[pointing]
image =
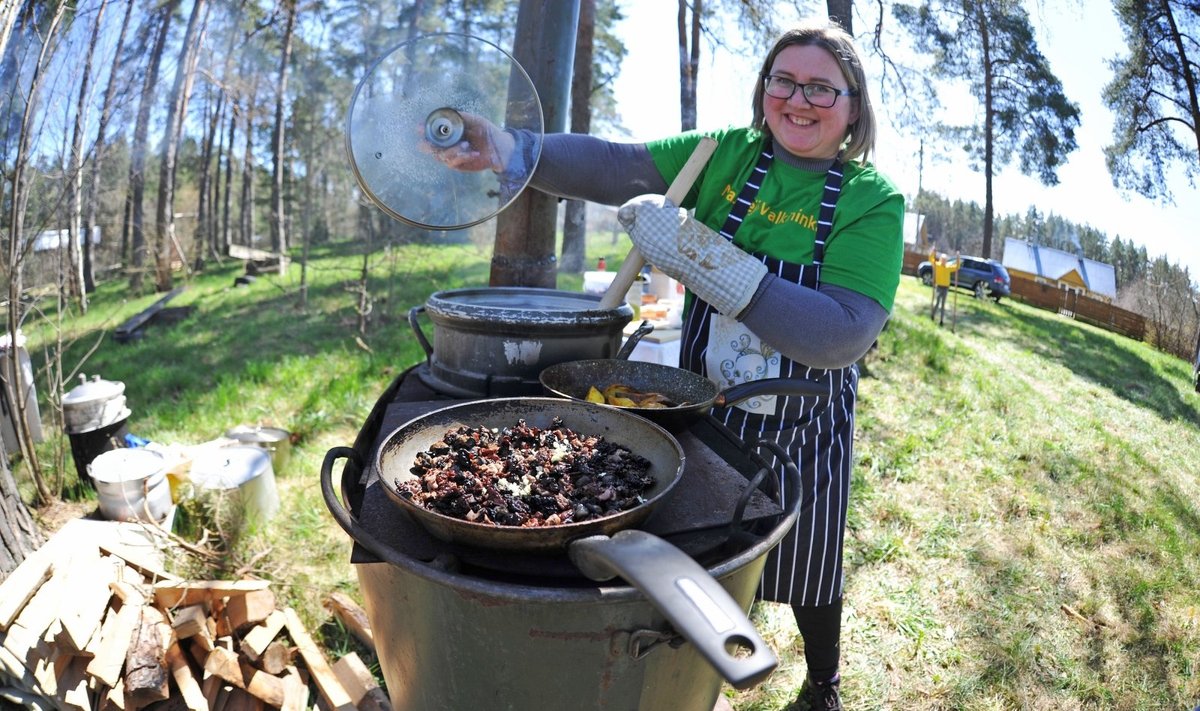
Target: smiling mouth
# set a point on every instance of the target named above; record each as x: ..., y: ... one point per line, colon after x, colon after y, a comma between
x: 798, y: 121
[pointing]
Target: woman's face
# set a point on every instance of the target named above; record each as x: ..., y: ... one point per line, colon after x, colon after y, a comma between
x: 803, y: 129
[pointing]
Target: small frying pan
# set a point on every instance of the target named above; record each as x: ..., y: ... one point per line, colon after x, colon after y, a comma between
x: 690, y: 396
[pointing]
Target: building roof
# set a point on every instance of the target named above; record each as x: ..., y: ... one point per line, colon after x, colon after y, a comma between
x: 1055, y: 264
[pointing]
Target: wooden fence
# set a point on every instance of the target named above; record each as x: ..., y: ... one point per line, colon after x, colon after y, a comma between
x: 1068, y: 303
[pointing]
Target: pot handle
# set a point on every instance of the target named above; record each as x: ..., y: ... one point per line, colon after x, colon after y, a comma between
x: 340, y: 514
x: 416, y: 328
x: 634, y: 338
x: 684, y: 592
x: 769, y: 386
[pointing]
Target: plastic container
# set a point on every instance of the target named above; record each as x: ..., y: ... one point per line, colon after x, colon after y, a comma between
x: 8, y: 397
x: 132, y: 485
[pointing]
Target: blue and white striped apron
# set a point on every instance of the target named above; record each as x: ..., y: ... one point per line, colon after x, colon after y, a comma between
x: 816, y: 432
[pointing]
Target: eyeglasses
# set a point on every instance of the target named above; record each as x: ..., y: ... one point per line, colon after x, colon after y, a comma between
x: 819, y: 95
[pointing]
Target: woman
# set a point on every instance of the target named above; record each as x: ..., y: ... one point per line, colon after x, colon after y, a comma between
x: 791, y: 261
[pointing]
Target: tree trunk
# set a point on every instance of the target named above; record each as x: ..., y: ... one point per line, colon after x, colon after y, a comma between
x: 689, y: 61
x: 279, y: 242
x: 574, y: 245
x: 525, y: 232
x: 166, y: 242
x: 227, y: 203
x: 988, y: 137
x: 19, y: 535
x: 137, y: 165
x: 841, y: 12
x: 18, y: 203
x: 246, y: 214
x: 110, y: 91
x: 75, y: 172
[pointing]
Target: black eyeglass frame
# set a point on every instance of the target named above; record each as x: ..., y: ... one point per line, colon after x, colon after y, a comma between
x: 803, y: 88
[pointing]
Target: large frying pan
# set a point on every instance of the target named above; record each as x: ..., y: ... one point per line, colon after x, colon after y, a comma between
x: 683, y: 591
x: 692, y: 395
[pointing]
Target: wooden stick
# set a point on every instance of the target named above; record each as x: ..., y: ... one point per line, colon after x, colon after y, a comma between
x: 257, y: 639
x: 352, y: 616
x: 680, y: 186
x: 331, y: 689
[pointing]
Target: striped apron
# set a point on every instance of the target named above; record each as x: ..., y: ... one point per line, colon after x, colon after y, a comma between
x: 816, y: 432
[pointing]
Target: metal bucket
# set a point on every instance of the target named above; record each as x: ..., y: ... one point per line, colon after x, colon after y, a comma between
x: 131, y: 484
x: 242, y: 478
x: 452, y: 640
x: 277, y: 441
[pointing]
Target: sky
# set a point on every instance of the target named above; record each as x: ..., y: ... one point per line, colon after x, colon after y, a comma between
x: 1078, y: 50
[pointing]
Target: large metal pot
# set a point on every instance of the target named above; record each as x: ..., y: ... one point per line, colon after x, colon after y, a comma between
x: 494, y: 341
x: 696, y: 605
x: 691, y: 395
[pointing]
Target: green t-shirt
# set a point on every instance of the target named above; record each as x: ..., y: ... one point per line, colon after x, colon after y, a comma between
x: 865, y: 250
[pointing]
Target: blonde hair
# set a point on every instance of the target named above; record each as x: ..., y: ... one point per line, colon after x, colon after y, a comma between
x: 833, y: 39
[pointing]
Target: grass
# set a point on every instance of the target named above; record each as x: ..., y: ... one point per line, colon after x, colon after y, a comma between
x: 1023, y: 529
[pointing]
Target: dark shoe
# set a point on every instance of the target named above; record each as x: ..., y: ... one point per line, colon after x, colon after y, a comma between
x: 815, y: 696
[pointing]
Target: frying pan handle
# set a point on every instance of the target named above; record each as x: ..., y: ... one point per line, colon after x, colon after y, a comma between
x: 634, y: 338
x: 769, y: 386
x: 416, y: 328
x: 684, y: 592
x: 676, y: 192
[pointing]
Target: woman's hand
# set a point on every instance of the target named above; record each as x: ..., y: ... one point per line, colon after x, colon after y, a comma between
x: 483, y: 146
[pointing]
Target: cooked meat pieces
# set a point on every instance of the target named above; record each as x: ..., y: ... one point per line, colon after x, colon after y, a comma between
x: 527, y: 476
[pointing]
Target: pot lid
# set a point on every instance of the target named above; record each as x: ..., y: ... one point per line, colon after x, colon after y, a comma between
x: 519, y: 304
x: 411, y: 101
x: 229, y: 467
x: 118, y: 465
x: 91, y: 390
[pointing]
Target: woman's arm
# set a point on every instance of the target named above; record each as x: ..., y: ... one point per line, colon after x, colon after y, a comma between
x: 827, y: 327
x: 579, y: 166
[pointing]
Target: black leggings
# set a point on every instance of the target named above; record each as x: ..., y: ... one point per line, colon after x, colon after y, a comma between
x: 820, y: 627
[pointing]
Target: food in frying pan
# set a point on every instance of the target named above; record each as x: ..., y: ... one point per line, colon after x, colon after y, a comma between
x: 527, y: 476
x: 625, y: 396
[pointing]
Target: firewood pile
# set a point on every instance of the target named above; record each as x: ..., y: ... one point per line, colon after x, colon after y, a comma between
x: 89, y: 624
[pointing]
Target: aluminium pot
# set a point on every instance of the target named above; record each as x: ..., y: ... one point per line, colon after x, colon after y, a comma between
x: 696, y: 605
x: 495, y: 341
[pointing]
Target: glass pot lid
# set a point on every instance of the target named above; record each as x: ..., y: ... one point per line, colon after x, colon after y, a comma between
x: 413, y: 99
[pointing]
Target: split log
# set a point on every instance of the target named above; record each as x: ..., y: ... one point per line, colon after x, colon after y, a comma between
x: 295, y: 691
x: 181, y: 671
x: 145, y: 661
x: 110, y: 656
x: 353, y: 617
x: 242, y: 611
x: 331, y: 690
x: 171, y: 594
x: 224, y: 663
x: 257, y: 639
x: 358, y: 681
x: 190, y: 621
x: 21, y: 584
x: 263, y: 686
x: 89, y: 583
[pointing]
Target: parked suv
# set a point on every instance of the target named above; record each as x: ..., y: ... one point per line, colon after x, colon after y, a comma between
x: 984, y: 277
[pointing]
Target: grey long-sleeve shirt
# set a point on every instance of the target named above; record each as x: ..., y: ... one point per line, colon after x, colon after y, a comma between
x: 826, y: 327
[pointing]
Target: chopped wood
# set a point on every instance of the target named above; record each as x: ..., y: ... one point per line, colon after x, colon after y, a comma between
x: 295, y: 691
x: 135, y: 560
x: 73, y: 692
x: 331, y: 690
x: 190, y: 621
x: 263, y: 686
x: 25, y: 580
x: 25, y: 633
x: 224, y: 663
x: 145, y: 662
x: 242, y: 611
x: 181, y: 671
x: 276, y: 658
x: 127, y: 592
x: 214, y: 690
x: 257, y: 639
x: 115, y: 698
x: 171, y: 594
x: 110, y: 657
x: 88, y: 582
x: 352, y: 616
x: 238, y: 700
x: 356, y: 678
